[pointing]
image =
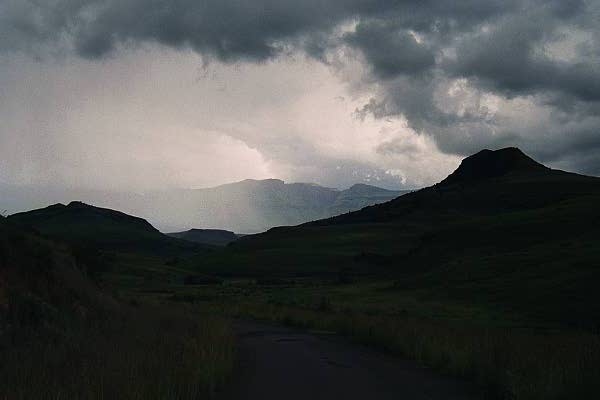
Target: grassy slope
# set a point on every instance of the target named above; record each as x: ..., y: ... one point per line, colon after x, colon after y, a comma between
x: 61, y: 337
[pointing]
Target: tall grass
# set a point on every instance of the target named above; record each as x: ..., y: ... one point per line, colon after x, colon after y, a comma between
x: 507, y: 363
x: 63, y: 338
x: 144, y: 353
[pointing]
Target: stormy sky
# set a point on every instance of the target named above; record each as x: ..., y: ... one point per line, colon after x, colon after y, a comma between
x: 146, y: 94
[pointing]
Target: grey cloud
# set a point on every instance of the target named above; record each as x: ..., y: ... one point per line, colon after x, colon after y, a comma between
x: 389, y: 51
x: 567, y: 139
x: 584, y: 161
x: 415, y: 99
x: 227, y: 29
x: 397, y: 146
x: 510, y: 59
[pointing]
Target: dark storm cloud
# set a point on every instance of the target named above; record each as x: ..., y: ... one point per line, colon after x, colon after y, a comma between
x: 227, y: 29
x: 509, y: 58
x: 540, y: 58
x: 572, y: 139
x: 390, y: 51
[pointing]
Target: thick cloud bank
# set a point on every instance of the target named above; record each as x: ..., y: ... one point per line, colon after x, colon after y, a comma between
x: 462, y: 74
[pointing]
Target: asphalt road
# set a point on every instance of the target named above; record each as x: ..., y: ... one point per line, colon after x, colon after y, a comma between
x: 276, y: 363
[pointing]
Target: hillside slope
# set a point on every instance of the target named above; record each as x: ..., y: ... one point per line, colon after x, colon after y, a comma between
x: 501, y: 230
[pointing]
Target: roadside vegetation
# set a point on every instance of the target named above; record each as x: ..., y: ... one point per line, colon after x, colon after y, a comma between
x: 507, y: 363
x: 507, y: 358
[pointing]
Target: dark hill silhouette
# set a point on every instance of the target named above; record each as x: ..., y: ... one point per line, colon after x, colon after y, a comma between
x: 79, y: 212
x: 488, y: 182
x: 213, y: 237
x: 493, y: 164
x: 85, y: 225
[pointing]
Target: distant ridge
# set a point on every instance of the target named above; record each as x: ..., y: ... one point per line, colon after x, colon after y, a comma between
x: 362, y: 189
x: 213, y: 237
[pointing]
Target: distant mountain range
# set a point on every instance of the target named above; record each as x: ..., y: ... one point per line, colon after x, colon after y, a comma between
x: 257, y: 205
x: 248, y: 206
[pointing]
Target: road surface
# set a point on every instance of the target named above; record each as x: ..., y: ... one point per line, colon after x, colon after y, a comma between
x: 277, y: 363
